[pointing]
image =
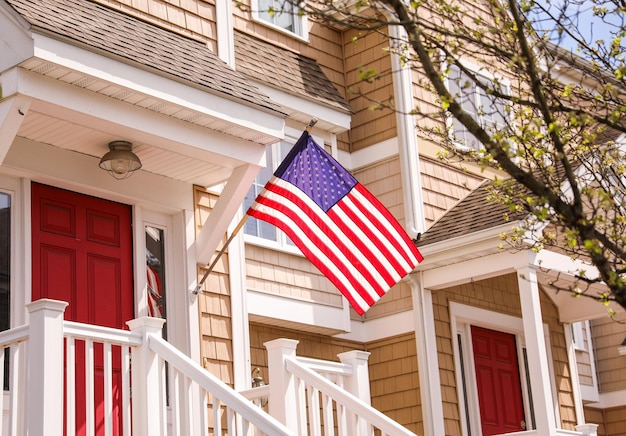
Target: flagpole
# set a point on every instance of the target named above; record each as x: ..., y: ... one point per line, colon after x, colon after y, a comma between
x: 236, y: 230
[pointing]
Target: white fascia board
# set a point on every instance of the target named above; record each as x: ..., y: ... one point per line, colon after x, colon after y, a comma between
x: 561, y: 263
x: 380, y: 328
x: 96, y: 65
x: 449, y: 249
x: 16, y: 43
x: 69, y: 102
x: 475, y: 268
x: 297, y: 311
x: 335, y: 121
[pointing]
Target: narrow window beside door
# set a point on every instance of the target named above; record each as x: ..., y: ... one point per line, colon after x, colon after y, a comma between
x: 5, y: 269
x: 155, y: 265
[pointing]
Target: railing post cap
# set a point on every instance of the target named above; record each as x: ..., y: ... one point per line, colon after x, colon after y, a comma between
x: 47, y: 304
x: 289, y: 344
x: 146, y: 322
x: 354, y: 355
x: 587, y: 429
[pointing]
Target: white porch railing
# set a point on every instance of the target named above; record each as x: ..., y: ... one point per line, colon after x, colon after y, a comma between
x: 318, y: 397
x: 306, y: 396
x: 97, y: 390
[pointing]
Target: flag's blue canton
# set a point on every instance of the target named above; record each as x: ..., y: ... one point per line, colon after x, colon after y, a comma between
x: 309, y: 167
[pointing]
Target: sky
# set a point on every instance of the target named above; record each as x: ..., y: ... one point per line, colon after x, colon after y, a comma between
x: 580, y: 13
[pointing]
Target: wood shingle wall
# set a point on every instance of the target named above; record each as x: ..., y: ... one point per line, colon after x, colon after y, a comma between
x: 192, y: 18
x: 214, y: 304
x: 610, y: 365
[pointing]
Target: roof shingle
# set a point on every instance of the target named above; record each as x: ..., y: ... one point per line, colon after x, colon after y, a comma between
x: 101, y: 28
x: 286, y: 70
x: 471, y: 214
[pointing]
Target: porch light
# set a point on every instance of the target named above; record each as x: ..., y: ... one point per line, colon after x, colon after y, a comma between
x: 120, y: 161
x: 257, y: 381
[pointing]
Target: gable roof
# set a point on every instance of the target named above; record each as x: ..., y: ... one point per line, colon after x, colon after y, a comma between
x: 470, y: 214
x: 287, y: 71
x: 85, y: 23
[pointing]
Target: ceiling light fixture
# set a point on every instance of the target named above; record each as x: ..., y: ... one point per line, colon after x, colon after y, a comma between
x: 120, y: 161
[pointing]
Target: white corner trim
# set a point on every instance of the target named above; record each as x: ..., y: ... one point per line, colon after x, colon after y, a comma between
x: 225, y: 38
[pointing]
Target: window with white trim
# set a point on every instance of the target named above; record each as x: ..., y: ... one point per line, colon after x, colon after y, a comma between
x: 258, y: 231
x: 490, y: 111
x: 284, y: 15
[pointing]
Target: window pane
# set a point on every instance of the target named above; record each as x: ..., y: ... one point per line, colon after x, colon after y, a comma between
x: 282, y: 14
x: 254, y: 226
x: 5, y: 259
x: 487, y: 110
x: 155, y: 264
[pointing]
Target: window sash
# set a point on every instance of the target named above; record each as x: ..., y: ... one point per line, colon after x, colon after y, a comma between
x: 285, y: 16
x: 489, y: 111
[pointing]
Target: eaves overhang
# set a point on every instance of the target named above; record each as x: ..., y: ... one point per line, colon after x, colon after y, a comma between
x: 189, y: 115
x: 478, y: 256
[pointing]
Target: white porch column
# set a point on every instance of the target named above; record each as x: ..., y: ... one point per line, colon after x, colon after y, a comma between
x: 427, y: 358
x: 283, y: 404
x: 44, y: 389
x: 532, y: 322
x: 149, y: 414
x: 359, y: 384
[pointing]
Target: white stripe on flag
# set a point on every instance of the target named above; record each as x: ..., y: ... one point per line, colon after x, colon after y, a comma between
x: 287, y: 221
x: 328, y: 242
x: 336, y: 230
x: 372, y: 247
x: 384, y: 222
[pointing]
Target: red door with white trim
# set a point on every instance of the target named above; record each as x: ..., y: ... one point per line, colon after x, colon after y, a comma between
x: 82, y: 254
x: 498, y: 381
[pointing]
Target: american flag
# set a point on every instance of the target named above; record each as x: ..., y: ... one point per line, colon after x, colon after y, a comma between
x: 337, y: 224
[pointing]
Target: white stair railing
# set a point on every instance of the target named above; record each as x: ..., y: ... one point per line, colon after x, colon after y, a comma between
x: 241, y: 416
x: 309, y: 393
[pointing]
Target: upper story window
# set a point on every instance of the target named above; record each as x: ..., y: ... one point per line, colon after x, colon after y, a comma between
x: 491, y: 112
x: 258, y: 231
x: 282, y: 14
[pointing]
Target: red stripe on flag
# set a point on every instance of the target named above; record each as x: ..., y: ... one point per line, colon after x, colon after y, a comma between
x: 408, y: 243
x: 382, y: 245
x: 357, y: 240
x: 345, y: 289
x: 320, y: 219
x: 294, y: 215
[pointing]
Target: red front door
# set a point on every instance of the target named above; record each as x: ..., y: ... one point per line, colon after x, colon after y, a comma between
x: 82, y: 254
x: 498, y: 381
